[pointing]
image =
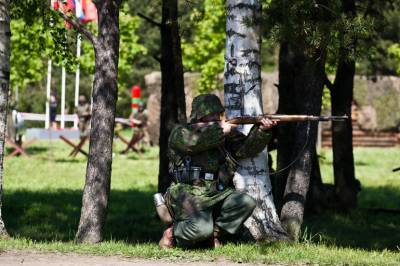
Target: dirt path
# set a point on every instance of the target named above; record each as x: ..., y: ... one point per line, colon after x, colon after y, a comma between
x: 33, y: 258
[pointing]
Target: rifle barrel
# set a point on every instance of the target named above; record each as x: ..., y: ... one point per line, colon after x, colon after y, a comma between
x: 284, y: 118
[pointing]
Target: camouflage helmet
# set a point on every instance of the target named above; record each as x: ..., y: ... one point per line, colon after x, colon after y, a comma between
x: 205, y: 104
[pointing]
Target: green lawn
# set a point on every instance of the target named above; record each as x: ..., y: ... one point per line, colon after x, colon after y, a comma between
x: 42, y: 200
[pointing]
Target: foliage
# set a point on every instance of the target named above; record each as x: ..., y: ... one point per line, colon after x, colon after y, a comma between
x: 385, y: 33
x: 43, y: 194
x: 27, y: 63
x: 394, y: 50
x: 32, y: 45
x: 205, y: 51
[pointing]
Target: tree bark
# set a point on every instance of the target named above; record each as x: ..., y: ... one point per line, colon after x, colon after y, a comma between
x: 346, y: 184
x: 98, y: 173
x: 5, y: 34
x: 242, y: 85
x: 301, y: 78
x: 173, y: 107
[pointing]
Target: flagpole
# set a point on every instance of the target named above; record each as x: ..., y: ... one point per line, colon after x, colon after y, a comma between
x: 78, y: 54
x: 48, y: 88
x: 63, y: 80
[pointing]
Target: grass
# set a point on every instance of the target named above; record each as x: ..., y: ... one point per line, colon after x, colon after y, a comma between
x: 43, y: 193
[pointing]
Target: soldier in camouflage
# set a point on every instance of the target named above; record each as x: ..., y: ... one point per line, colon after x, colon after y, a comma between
x: 203, y: 157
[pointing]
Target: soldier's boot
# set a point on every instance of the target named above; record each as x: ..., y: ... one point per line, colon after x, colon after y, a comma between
x: 215, y: 241
x: 167, y: 240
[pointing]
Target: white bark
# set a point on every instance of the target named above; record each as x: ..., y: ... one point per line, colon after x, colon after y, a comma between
x: 4, y: 87
x: 242, y: 83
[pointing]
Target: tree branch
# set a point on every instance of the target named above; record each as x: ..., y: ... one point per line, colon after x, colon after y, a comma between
x: 151, y: 21
x: 328, y: 83
x: 79, y: 27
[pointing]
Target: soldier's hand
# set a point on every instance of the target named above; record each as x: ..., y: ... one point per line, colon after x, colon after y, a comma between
x: 266, y: 123
x: 226, y: 127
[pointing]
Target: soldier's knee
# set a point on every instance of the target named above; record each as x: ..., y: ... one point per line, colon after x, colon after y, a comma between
x: 203, y: 231
x: 195, y: 230
x: 248, y: 202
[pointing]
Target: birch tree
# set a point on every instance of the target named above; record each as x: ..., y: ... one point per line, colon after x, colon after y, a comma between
x: 4, y: 83
x: 242, y: 86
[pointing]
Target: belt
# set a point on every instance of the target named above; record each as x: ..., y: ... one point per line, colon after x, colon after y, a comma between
x: 188, y: 175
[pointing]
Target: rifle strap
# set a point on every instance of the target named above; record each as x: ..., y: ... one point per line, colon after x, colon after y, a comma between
x: 298, y: 155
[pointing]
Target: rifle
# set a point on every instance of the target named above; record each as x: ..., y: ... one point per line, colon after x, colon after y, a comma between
x: 242, y: 120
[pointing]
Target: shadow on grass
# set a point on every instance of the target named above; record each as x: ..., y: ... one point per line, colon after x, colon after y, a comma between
x: 361, y: 228
x: 49, y: 216
x: 68, y: 160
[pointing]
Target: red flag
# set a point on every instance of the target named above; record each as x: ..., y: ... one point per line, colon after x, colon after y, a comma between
x: 56, y: 5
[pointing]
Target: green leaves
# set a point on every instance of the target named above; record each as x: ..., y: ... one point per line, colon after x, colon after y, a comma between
x: 394, y: 50
x: 204, y: 53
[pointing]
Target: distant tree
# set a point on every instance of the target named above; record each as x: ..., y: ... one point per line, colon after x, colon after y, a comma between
x: 173, y: 108
x: 346, y: 184
x: 5, y: 34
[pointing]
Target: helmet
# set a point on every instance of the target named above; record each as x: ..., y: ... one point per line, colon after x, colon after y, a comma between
x: 205, y: 104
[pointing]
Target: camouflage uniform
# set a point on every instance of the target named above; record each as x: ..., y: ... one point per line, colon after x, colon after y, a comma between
x: 84, y: 114
x: 198, y: 207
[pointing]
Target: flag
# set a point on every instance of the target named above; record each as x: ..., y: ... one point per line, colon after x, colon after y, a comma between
x: 55, y: 4
x: 69, y: 6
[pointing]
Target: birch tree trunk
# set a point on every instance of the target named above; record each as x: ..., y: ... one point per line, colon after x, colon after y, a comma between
x: 242, y: 85
x: 4, y: 83
x: 98, y: 173
x: 173, y: 108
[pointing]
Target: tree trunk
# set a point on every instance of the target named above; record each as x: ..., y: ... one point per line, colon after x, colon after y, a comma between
x: 98, y: 172
x: 5, y: 34
x: 302, y: 94
x: 346, y: 185
x: 173, y: 108
x: 242, y: 84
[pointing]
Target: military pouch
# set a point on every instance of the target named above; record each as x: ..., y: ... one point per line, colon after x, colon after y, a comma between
x: 187, y: 174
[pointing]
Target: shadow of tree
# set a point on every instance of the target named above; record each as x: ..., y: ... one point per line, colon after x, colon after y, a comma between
x: 54, y: 216
x: 361, y: 228
x: 49, y: 216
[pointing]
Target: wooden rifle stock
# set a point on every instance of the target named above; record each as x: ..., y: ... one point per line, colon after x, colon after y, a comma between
x: 283, y: 118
